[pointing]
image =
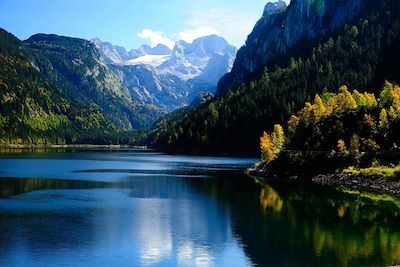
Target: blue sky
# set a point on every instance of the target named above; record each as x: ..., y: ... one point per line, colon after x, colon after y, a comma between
x: 130, y: 23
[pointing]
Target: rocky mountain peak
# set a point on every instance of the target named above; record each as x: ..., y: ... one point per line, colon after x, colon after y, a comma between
x: 274, y: 7
x: 171, y: 79
x: 203, y: 48
x: 160, y: 49
x: 114, y: 54
x: 277, y: 32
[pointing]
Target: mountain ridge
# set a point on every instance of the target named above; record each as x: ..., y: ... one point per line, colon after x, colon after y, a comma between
x: 173, y: 80
x: 56, y: 89
x: 114, y: 54
x: 283, y: 27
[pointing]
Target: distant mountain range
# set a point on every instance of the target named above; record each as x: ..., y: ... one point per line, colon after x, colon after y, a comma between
x: 56, y: 89
x: 170, y: 79
x: 114, y: 54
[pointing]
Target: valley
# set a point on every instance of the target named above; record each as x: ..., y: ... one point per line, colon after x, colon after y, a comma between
x: 205, y: 133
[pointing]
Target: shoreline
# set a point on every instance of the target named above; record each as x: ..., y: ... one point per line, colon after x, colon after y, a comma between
x: 374, y: 185
x: 32, y: 146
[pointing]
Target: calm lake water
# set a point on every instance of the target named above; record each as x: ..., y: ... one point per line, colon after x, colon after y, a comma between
x: 127, y: 208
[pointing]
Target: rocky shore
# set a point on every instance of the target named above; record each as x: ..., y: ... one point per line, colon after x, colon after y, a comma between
x: 376, y: 185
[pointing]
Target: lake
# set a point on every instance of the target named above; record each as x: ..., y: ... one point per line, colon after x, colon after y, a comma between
x: 142, y: 208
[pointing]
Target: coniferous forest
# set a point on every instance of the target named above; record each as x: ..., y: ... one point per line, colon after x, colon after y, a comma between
x: 361, y: 55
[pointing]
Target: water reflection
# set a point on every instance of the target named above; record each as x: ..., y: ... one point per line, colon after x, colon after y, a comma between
x: 306, y: 225
x: 144, y: 221
x: 15, y: 186
x: 148, y: 209
x: 270, y: 199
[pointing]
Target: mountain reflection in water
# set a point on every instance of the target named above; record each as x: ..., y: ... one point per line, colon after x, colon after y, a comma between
x: 124, y: 208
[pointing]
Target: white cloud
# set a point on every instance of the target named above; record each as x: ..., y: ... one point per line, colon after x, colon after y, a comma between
x: 190, y: 35
x: 156, y: 37
x: 233, y: 25
x: 233, y: 22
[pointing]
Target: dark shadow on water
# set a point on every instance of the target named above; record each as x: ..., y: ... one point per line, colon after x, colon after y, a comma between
x: 16, y: 186
x: 175, y: 172
x: 286, y: 224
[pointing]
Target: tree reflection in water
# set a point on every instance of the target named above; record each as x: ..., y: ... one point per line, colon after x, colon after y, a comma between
x: 285, y: 224
x: 350, y: 230
x: 277, y: 223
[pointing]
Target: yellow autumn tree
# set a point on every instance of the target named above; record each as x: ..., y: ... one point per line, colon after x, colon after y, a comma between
x: 272, y: 145
x: 267, y: 148
x: 292, y: 124
x: 396, y: 97
x: 306, y: 113
x: 383, y: 119
x: 370, y: 100
x: 278, y: 138
x: 360, y: 99
x: 330, y: 106
x: 341, y: 146
x: 345, y: 101
x: 386, y: 96
x: 318, y: 109
x: 393, y: 114
x: 365, y: 100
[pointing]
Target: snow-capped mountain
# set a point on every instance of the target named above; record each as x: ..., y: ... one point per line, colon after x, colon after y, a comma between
x: 113, y: 54
x: 170, y: 79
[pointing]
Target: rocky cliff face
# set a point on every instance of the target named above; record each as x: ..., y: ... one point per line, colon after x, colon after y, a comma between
x: 282, y: 28
x: 147, y: 85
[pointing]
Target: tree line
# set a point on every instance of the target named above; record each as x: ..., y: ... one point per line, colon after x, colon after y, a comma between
x: 361, y: 55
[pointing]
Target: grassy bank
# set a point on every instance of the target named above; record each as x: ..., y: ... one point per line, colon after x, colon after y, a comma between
x: 391, y: 173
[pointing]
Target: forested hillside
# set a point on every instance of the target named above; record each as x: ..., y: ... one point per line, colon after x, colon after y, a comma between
x: 335, y: 131
x: 291, y: 31
x: 353, y: 122
x: 55, y: 90
x: 76, y: 64
x: 361, y: 54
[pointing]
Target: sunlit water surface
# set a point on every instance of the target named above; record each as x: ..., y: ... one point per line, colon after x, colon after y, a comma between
x: 138, y: 208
